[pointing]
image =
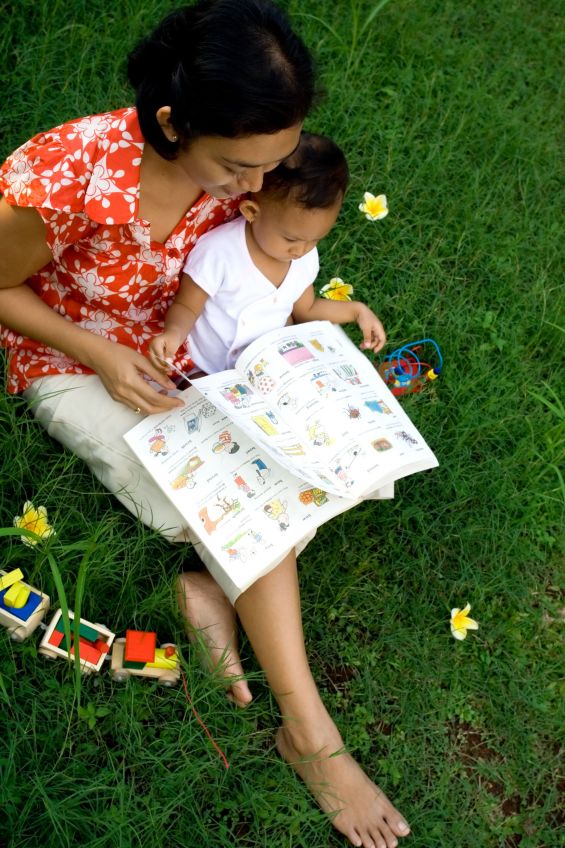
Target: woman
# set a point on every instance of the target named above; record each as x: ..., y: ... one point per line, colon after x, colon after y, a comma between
x: 96, y: 221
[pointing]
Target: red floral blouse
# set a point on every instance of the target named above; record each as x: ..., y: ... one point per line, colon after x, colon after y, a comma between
x: 106, y: 274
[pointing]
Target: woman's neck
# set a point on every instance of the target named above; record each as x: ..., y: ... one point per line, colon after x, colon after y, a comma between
x: 166, y: 193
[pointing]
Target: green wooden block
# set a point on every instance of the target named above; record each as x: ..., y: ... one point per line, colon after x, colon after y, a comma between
x: 88, y: 632
x: 130, y: 664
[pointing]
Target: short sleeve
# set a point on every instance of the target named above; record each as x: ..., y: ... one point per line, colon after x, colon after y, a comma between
x: 309, y: 268
x: 313, y: 265
x: 51, y: 177
x: 206, y: 262
x: 47, y: 171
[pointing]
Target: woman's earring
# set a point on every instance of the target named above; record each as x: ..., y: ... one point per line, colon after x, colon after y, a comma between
x: 174, y: 138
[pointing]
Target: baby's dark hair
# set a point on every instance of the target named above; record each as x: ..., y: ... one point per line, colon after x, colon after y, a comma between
x: 230, y: 68
x: 315, y: 175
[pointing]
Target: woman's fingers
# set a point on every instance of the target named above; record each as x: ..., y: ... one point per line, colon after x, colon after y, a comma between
x: 126, y: 375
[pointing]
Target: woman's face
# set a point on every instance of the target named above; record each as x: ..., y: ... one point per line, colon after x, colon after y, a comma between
x: 227, y: 167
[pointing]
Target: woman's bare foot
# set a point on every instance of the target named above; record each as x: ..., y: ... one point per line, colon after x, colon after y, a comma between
x: 356, y: 806
x: 211, y: 623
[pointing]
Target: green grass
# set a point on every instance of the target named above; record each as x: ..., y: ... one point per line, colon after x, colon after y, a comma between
x: 452, y: 109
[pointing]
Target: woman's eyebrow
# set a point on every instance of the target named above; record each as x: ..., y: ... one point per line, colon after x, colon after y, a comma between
x: 256, y: 164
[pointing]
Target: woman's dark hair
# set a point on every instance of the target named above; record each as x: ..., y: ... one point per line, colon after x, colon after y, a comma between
x: 225, y: 67
x: 315, y: 175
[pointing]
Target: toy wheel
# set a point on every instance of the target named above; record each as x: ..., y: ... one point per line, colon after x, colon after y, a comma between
x: 45, y: 652
x: 120, y: 676
x: 168, y: 680
x: 17, y: 635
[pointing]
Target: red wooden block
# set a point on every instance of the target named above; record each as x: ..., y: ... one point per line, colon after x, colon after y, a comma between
x: 140, y: 646
x: 87, y: 651
x: 56, y: 638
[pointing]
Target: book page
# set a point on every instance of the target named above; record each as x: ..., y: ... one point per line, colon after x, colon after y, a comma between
x: 266, y: 422
x: 247, y: 510
x: 322, y: 409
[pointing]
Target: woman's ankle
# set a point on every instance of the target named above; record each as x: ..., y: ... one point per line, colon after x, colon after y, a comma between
x: 312, y: 736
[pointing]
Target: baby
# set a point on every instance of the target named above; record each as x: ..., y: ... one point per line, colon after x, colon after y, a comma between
x: 256, y: 272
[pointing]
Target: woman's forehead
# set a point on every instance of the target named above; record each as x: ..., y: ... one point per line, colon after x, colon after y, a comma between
x: 253, y: 151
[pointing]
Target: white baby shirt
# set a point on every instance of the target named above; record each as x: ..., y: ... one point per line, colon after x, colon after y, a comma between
x: 242, y: 304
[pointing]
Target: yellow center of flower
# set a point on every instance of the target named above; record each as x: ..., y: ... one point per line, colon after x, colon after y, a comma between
x: 34, y: 522
x: 375, y: 206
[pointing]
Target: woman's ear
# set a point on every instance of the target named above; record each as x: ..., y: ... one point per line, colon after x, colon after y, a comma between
x: 164, y: 121
x: 250, y: 209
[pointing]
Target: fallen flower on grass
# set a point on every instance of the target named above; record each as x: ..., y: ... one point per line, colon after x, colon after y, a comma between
x: 374, y: 208
x: 35, y: 520
x: 460, y: 622
x: 336, y: 289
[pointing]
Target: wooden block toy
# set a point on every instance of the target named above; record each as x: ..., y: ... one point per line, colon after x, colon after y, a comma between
x: 94, y: 642
x: 140, y: 646
x: 10, y: 577
x: 17, y: 595
x: 160, y: 663
x: 21, y: 606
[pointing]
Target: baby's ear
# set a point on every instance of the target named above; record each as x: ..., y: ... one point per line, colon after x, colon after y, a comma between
x: 249, y: 209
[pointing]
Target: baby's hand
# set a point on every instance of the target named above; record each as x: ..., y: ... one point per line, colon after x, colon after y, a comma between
x: 374, y: 336
x: 163, y: 347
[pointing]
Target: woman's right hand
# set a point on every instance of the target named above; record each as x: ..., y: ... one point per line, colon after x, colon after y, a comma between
x: 123, y: 372
x: 23, y: 251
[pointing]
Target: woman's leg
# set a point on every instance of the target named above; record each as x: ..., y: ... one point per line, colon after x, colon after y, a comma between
x: 308, y: 738
x: 212, y: 625
x: 77, y: 411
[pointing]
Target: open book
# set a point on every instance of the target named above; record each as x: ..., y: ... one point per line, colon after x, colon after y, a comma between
x: 302, y: 429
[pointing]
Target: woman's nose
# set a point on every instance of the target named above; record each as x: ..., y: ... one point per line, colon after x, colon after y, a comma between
x: 252, y: 180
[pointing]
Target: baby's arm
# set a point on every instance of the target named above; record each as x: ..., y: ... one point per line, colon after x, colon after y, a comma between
x: 179, y: 321
x: 311, y: 308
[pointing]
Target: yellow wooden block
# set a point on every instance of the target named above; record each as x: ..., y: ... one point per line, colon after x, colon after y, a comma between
x: 16, y: 596
x: 161, y: 661
x: 10, y: 578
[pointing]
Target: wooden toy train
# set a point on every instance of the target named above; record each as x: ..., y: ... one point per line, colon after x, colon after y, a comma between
x: 22, y: 609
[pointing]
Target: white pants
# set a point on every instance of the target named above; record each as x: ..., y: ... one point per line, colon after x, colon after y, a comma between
x: 78, y: 412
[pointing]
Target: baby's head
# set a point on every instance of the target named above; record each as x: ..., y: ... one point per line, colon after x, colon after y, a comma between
x: 300, y: 199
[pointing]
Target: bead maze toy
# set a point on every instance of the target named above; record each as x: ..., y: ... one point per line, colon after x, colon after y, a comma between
x: 22, y: 607
x: 404, y: 370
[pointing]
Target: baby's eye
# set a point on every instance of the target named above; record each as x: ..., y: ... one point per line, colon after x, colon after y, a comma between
x: 291, y: 240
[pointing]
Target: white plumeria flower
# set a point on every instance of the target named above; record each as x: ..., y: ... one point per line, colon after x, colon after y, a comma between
x: 374, y: 208
x: 460, y: 622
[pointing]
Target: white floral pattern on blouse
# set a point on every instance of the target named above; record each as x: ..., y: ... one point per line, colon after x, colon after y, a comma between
x: 106, y: 274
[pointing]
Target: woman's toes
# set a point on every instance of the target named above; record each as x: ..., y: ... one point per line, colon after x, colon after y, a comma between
x: 384, y: 837
x: 381, y: 839
x: 240, y: 693
x: 399, y: 827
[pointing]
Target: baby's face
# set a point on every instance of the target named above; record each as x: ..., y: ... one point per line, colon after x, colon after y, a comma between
x: 284, y: 230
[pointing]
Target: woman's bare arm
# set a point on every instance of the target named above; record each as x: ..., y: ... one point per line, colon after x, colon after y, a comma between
x: 23, y: 251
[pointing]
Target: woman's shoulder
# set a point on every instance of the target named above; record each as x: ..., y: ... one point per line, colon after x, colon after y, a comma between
x: 225, y: 234
x: 55, y: 167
